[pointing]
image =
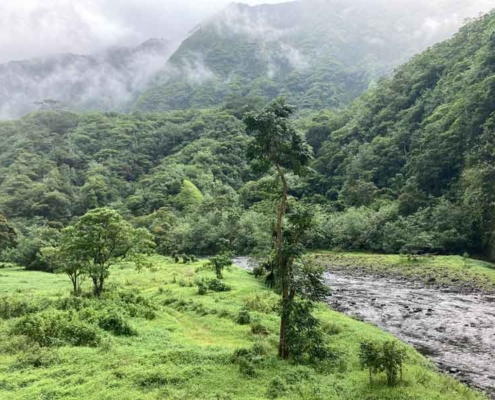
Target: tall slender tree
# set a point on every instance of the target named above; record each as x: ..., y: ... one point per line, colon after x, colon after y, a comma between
x: 276, y: 144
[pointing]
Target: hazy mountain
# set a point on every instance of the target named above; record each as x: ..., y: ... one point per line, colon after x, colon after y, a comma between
x: 105, y: 81
x: 321, y: 53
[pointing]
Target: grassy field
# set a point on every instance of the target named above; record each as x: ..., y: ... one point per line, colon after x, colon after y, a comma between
x: 456, y: 271
x: 182, y: 344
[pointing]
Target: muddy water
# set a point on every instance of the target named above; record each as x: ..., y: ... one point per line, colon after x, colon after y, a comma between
x: 456, y: 331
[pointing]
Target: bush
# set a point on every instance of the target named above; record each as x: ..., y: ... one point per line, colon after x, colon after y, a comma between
x: 387, y: 357
x: 243, y: 317
x: 11, y: 307
x: 113, y: 321
x: 264, y: 303
x: 246, y: 367
x: 276, y: 388
x: 216, y: 285
x: 36, y: 357
x: 202, y: 285
x: 56, y: 328
x: 259, y: 329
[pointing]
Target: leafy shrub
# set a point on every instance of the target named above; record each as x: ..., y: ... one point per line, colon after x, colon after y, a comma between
x: 243, y: 317
x: 12, y: 307
x: 260, y: 348
x: 114, y: 322
x: 264, y: 303
x: 216, y: 285
x: 36, y: 357
x: 202, y: 285
x: 56, y: 328
x: 246, y: 367
x: 257, y: 328
x: 277, y: 388
x: 387, y: 357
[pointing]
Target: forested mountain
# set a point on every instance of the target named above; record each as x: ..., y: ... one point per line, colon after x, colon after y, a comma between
x: 319, y: 53
x: 421, y: 146
x: 106, y: 81
x: 408, y: 166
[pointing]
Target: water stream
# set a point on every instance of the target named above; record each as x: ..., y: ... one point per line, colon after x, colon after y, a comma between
x: 454, y: 330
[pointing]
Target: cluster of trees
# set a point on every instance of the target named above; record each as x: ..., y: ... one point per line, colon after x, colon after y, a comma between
x: 410, y: 165
x: 415, y: 154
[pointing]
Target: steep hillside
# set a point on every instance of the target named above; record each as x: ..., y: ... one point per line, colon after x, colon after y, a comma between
x: 319, y: 53
x: 106, y: 81
x: 407, y: 167
x: 424, y: 141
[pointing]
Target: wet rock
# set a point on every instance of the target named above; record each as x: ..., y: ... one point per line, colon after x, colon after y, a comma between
x: 452, y: 327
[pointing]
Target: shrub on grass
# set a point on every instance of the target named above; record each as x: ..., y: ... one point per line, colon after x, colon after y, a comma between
x: 246, y: 367
x: 114, y: 322
x: 36, y: 357
x: 387, y: 357
x: 216, y: 285
x: 257, y: 328
x: 276, y: 388
x: 12, y: 307
x: 243, y: 317
x: 56, y: 328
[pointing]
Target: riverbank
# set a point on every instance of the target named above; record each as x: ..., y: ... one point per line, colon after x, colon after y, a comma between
x: 183, y: 344
x: 441, y: 272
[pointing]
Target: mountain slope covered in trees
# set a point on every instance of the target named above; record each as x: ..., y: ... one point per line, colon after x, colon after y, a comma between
x: 407, y: 167
x: 320, y: 54
x: 421, y: 146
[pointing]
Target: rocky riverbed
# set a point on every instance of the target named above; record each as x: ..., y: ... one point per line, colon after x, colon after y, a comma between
x: 455, y: 330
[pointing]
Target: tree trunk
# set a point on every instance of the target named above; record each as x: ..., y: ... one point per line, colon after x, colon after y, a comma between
x: 283, y: 349
x: 281, y: 209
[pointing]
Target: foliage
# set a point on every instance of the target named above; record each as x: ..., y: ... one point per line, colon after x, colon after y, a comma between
x: 220, y: 262
x: 387, y: 357
x: 100, y: 239
x: 183, y: 352
x: 56, y: 329
x: 8, y: 236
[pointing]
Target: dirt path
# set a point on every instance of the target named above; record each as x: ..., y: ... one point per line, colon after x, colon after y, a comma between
x: 456, y: 331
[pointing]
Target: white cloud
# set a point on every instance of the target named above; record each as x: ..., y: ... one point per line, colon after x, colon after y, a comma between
x: 30, y: 28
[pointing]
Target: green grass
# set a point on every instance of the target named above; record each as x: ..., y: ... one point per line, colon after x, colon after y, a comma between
x: 465, y: 273
x: 185, y: 352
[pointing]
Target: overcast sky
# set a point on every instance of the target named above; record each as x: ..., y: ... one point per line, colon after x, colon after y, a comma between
x: 31, y: 28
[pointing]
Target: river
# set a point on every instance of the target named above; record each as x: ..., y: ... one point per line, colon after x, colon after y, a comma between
x: 454, y: 330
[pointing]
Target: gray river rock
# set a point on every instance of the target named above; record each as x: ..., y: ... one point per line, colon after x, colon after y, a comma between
x: 454, y: 330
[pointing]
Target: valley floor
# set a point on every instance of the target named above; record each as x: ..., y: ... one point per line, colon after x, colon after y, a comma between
x: 181, y: 344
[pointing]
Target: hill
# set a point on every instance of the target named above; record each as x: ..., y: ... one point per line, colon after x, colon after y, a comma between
x: 420, y: 146
x: 319, y: 53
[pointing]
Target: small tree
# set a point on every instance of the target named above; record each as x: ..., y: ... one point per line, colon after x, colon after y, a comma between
x: 61, y: 260
x: 276, y: 144
x: 219, y: 263
x: 388, y: 357
x: 100, y: 239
